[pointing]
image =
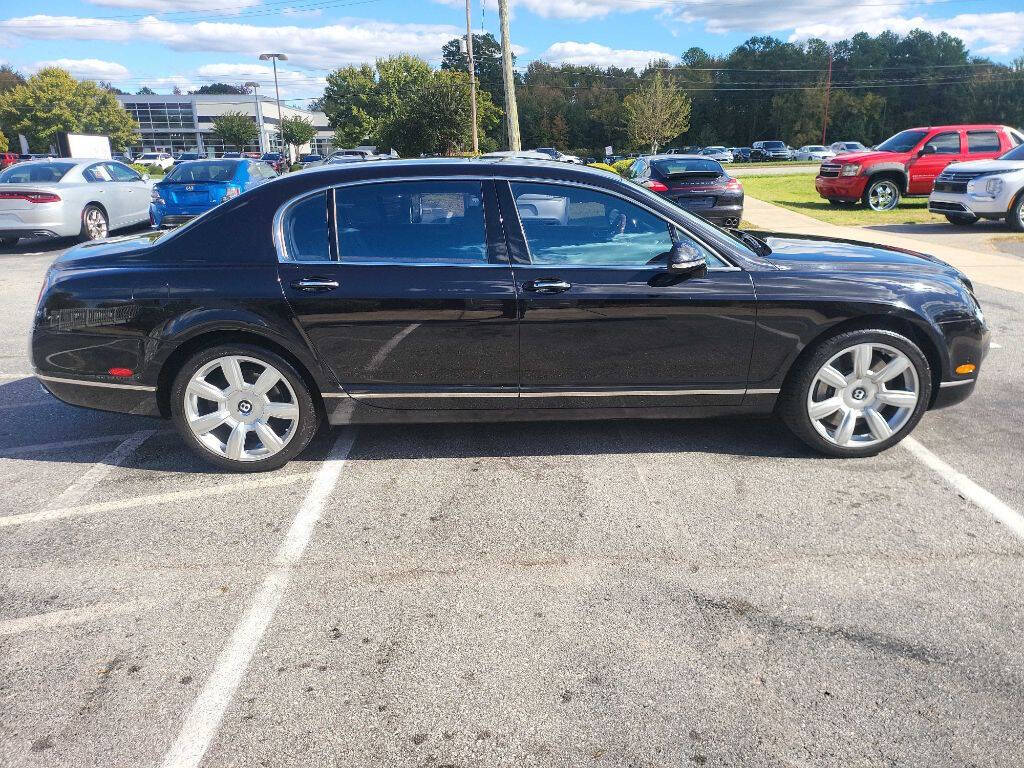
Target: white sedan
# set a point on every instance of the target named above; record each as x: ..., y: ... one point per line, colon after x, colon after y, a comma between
x: 814, y: 152
x: 71, y: 198
x: 161, y: 159
x: 982, y: 189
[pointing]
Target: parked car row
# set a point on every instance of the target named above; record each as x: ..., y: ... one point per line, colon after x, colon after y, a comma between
x: 769, y: 150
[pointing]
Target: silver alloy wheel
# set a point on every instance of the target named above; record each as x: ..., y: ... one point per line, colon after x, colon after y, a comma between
x: 95, y: 224
x: 883, y: 196
x: 241, y: 408
x: 863, y: 395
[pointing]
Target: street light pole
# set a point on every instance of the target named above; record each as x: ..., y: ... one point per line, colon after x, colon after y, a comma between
x: 472, y: 79
x: 277, y: 93
x: 259, y: 118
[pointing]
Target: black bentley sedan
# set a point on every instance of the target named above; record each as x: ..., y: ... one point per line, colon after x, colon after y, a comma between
x: 698, y: 184
x: 495, y: 289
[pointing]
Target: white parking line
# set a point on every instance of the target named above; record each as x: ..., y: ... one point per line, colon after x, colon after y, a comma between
x: 1001, y: 511
x: 200, y: 726
x: 21, y: 450
x: 993, y: 345
x: 63, y: 618
x: 10, y: 376
x: 79, y: 489
x: 48, y: 515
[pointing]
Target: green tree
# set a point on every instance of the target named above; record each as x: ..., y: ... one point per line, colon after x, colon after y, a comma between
x: 3, y: 143
x: 656, y: 112
x: 350, y: 103
x: 52, y: 101
x: 9, y: 78
x: 221, y: 89
x: 145, y: 91
x: 235, y: 129
x: 486, y: 61
x: 297, y: 131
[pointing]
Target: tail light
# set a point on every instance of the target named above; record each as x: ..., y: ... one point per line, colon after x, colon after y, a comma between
x: 655, y: 186
x: 232, y: 191
x: 32, y: 197
x: 734, y: 185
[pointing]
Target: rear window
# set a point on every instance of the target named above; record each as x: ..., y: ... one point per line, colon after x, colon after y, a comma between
x: 686, y: 166
x: 773, y: 145
x: 982, y: 141
x: 198, y: 171
x: 35, y: 173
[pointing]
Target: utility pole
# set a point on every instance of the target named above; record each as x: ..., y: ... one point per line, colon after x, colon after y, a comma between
x: 472, y: 78
x: 508, y: 77
x: 828, y: 88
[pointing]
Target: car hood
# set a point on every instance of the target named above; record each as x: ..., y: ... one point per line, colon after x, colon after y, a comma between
x: 103, y: 251
x: 987, y: 166
x: 869, y: 156
x: 807, y: 252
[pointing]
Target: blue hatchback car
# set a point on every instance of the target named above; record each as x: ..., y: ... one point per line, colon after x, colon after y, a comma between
x: 196, y: 186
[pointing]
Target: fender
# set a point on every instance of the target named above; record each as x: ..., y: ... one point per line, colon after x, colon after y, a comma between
x: 901, y: 169
x: 281, y: 331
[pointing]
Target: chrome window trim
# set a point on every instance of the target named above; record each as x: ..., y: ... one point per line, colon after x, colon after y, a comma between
x: 283, y: 258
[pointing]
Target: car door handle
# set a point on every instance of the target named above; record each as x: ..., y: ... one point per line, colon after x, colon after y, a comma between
x: 314, y: 284
x: 547, y: 285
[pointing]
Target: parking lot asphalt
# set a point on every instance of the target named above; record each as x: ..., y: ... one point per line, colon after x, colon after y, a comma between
x: 986, y: 236
x: 552, y: 594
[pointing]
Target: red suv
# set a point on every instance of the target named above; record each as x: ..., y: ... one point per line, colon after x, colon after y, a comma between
x: 908, y: 163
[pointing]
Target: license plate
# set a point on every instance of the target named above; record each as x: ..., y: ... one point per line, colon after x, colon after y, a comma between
x: 695, y: 202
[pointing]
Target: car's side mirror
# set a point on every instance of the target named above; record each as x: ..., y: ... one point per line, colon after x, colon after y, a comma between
x: 685, y: 259
x: 927, y: 149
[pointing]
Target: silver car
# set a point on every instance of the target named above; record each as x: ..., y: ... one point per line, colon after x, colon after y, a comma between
x: 814, y: 152
x: 721, y: 154
x: 71, y: 198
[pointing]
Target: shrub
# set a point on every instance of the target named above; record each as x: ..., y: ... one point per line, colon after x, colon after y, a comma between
x: 603, y: 167
x: 152, y: 170
x: 622, y: 167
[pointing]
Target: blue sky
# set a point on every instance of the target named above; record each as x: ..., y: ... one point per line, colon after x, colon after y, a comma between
x: 162, y: 43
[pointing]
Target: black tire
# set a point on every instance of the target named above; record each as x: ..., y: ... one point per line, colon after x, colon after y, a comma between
x: 85, y: 235
x: 308, y: 414
x: 875, y: 185
x: 961, y: 221
x: 792, y: 405
x: 1015, y: 216
x: 7, y: 242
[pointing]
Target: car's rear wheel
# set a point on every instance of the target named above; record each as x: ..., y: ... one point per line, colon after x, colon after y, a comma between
x: 858, y: 393
x: 94, y: 223
x: 961, y: 221
x: 243, y: 408
x: 1015, y: 216
x: 882, y: 194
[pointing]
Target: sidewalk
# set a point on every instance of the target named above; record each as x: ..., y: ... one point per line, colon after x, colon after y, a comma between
x: 1004, y: 272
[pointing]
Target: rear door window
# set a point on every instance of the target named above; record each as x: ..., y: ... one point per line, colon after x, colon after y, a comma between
x: 982, y: 141
x: 306, y: 231
x: 418, y: 222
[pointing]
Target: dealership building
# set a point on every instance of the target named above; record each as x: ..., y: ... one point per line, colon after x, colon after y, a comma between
x: 177, y: 123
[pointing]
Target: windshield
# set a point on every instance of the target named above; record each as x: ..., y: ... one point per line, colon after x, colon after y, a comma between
x: 1017, y: 153
x: 271, y: 156
x: 35, y: 172
x: 904, y: 141
x: 212, y: 170
x: 773, y: 145
x: 685, y: 166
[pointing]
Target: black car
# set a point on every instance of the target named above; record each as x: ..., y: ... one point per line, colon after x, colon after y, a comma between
x: 495, y: 289
x: 698, y: 184
x: 741, y: 154
x: 770, y: 150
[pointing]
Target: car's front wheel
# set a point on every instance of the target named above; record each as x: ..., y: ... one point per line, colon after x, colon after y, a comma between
x: 243, y: 408
x: 857, y: 393
x: 882, y: 194
x: 1015, y: 216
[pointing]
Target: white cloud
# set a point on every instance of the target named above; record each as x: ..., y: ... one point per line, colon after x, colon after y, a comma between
x: 992, y: 34
x: 173, y: 5
x: 324, y: 47
x: 569, y: 52
x: 87, y: 69
x: 570, y: 9
x: 293, y: 83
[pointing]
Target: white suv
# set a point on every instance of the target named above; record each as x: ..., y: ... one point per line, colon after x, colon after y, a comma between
x: 982, y: 189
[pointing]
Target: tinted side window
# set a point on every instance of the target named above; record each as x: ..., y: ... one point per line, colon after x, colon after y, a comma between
x: 122, y: 172
x: 439, y: 222
x: 982, y: 141
x: 945, y: 143
x: 97, y: 173
x: 574, y: 225
x: 305, y: 230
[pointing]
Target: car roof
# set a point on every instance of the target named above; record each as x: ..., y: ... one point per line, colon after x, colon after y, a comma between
x: 985, y: 126
x: 679, y: 156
